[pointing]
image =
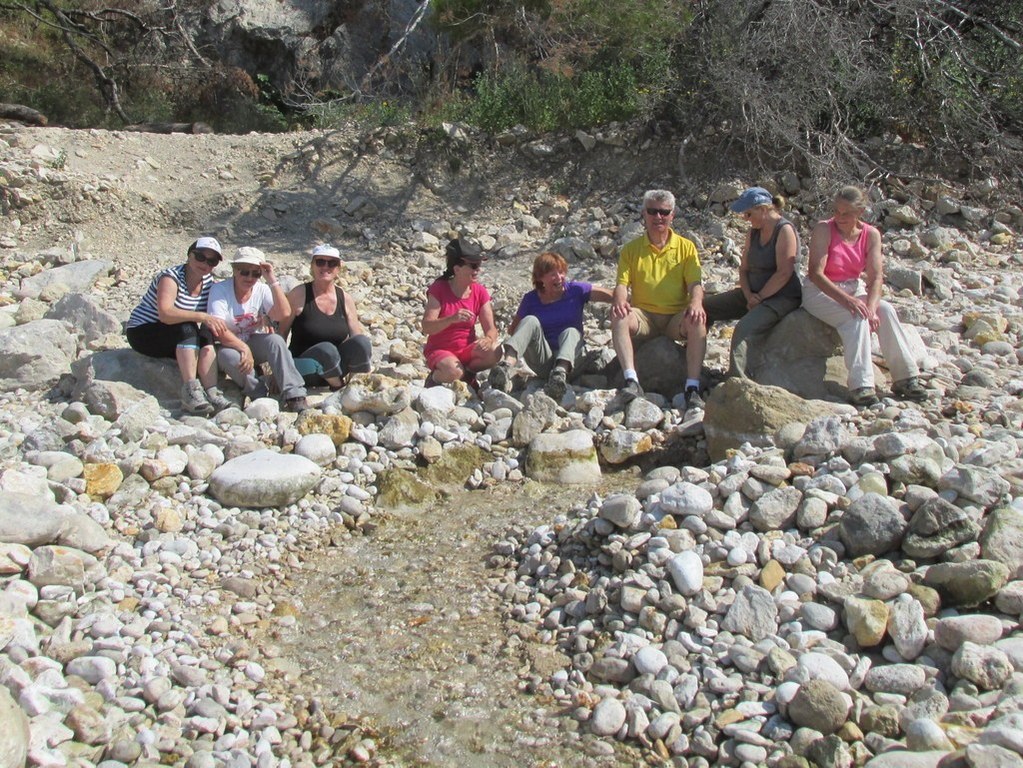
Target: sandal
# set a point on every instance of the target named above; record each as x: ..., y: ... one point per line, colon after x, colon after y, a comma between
x: 910, y: 389
x: 863, y: 397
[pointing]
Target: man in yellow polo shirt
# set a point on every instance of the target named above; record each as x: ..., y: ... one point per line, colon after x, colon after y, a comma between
x: 659, y: 293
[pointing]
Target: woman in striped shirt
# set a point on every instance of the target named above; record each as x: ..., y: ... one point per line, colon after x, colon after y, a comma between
x: 171, y: 321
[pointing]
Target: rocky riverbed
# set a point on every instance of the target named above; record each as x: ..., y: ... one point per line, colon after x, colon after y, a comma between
x: 774, y: 581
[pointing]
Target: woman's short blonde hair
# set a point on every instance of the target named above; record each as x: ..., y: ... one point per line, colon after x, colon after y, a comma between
x: 546, y: 262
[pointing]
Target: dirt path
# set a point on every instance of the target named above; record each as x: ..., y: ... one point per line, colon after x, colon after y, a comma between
x: 402, y: 627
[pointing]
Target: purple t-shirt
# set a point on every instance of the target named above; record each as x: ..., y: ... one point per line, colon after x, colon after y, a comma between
x: 566, y: 312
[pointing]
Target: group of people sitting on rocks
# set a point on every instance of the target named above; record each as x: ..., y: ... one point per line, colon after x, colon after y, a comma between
x: 243, y: 322
x: 185, y: 315
x: 659, y: 292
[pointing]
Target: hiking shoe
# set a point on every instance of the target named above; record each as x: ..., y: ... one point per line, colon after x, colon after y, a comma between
x: 217, y: 399
x: 193, y: 399
x: 258, y: 391
x: 630, y: 390
x: 693, y: 398
x: 910, y: 389
x: 557, y: 383
x: 296, y: 405
x: 863, y: 397
x: 498, y: 378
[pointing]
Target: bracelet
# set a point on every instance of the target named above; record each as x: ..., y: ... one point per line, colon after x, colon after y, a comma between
x: 275, y: 282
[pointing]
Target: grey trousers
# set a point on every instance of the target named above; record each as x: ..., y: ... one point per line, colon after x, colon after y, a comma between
x: 753, y: 324
x: 266, y: 348
x: 353, y: 355
x: 530, y: 345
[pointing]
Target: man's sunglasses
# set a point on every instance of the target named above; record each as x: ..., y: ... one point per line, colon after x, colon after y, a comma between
x: 204, y: 259
x: 248, y: 272
x: 473, y: 265
x: 326, y: 262
x: 665, y: 212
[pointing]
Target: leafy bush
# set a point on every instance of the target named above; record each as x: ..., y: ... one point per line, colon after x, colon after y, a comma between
x: 337, y: 113
x: 546, y: 101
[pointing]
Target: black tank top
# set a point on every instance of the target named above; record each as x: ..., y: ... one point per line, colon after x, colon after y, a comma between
x: 312, y: 326
x: 763, y: 262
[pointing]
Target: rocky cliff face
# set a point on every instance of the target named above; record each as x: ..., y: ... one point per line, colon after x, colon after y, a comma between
x: 319, y: 44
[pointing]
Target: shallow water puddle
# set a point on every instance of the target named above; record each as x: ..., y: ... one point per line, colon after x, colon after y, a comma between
x: 401, y: 628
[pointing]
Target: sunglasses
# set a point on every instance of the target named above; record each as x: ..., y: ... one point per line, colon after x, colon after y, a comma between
x: 327, y: 263
x: 473, y: 265
x: 204, y: 259
x: 665, y: 212
x: 248, y: 272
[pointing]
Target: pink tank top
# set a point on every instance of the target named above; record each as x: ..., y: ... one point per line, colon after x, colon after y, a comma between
x: 846, y: 261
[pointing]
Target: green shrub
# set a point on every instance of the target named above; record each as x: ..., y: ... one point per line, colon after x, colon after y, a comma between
x: 337, y: 113
x: 545, y: 101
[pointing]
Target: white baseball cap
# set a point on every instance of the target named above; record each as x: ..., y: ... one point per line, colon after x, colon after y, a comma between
x: 208, y: 244
x: 249, y: 255
x: 328, y: 251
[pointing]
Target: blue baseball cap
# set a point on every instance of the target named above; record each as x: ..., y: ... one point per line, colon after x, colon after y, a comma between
x: 751, y: 198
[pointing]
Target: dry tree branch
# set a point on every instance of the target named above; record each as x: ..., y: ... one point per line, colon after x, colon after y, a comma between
x: 107, y: 85
x: 413, y: 23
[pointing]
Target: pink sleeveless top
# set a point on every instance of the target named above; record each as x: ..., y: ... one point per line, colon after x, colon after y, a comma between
x: 846, y: 261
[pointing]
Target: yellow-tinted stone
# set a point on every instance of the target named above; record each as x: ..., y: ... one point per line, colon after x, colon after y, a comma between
x: 102, y: 480
x: 799, y: 468
x: 728, y: 717
x: 337, y: 426
x: 866, y: 619
x: 849, y: 732
x: 168, y: 520
x: 928, y: 598
x: 772, y: 574
x: 284, y: 608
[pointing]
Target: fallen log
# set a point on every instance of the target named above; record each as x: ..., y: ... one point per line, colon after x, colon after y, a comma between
x: 22, y: 113
x: 170, y: 128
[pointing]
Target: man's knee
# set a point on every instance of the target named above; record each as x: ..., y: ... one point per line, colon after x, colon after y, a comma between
x: 628, y: 326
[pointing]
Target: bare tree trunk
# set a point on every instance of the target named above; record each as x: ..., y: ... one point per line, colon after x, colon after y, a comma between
x: 106, y: 84
x: 414, y: 22
x: 169, y: 128
x: 22, y: 113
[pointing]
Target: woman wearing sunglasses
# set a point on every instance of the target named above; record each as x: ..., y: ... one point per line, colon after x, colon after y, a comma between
x: 454, y: 302
x: 327, y: 340
x: 171, y: 321
x: 249, y: 308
